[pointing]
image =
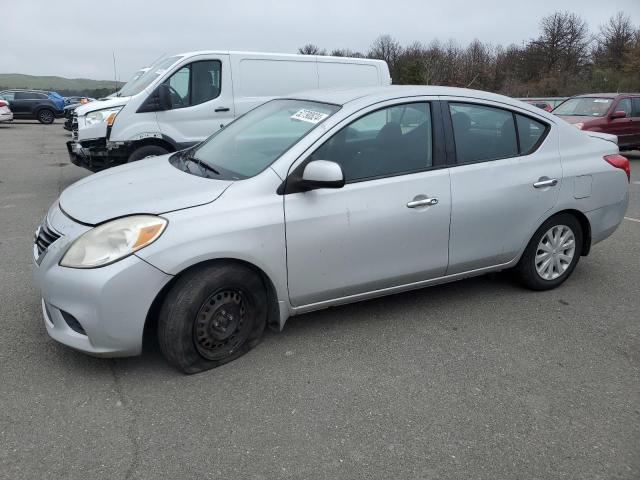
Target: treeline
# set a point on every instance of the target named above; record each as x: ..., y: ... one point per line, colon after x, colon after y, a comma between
x: 565, y: 59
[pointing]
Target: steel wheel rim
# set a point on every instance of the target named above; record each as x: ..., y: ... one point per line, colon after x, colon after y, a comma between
x: 221, y: 326
x: 555, y: 252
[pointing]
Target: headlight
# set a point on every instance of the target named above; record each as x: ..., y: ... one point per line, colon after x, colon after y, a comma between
x: 112, y: 241
x: 578, y: 125
x: 107, y: 115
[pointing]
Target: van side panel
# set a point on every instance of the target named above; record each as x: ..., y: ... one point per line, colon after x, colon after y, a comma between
x: 338, y: 74
x: 257, y: 80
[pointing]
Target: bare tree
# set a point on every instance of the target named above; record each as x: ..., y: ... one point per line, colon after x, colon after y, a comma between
x: 311, y: 49
x: 345, y: 52
x: 614, y: 41
x: 388, y: 49
x: 564, y: 42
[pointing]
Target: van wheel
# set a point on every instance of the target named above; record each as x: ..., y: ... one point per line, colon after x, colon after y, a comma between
x: 552, y: 253
x: 145, y: 152
x: 212, y: 315
x: 46, y: 116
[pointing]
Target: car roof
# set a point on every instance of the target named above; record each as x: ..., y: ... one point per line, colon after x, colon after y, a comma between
x: 30, y: 90
x: 342, y: 96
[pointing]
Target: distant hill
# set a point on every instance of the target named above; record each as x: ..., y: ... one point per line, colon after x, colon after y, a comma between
x: 68, y: 86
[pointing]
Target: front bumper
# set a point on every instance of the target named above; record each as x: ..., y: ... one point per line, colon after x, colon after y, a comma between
x: 96, y: 155
x: 110, y: 304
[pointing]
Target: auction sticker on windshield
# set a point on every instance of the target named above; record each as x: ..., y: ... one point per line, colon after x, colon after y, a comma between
x: 310, y: 116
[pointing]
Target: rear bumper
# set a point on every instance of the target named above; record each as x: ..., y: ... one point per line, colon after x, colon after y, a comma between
x: 95, y: 155
x: 6, y: 117
x: 604, y: 221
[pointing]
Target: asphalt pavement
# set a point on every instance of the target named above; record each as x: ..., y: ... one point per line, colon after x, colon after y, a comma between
x: 478, y: 379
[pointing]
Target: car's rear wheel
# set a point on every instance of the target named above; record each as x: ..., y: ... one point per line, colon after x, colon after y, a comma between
x: 146, y: 151
x: 212, y: 315
x: 552, y: 253
x: 45, y: 116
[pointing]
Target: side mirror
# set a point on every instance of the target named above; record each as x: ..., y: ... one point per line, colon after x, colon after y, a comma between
x: 619, y: 114
x: 322, y: 174
x: 160, y: 99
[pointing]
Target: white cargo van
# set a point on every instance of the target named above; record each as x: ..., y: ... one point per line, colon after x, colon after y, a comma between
x: 182, y: 99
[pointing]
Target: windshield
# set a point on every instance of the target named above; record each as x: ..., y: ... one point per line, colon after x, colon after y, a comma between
x: 140, y: 82
x: 584, y: 107
x: 254, y: 141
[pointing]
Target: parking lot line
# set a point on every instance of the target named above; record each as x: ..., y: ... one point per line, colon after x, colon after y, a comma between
x: 632, y: 219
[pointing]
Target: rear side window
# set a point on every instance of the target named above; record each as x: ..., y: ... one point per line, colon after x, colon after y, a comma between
x: 483, y: 133
x: 391, y: 141
x: 530, y: 132
x: 636, y: 106
x: 624, y: 105
x: 8, y: 96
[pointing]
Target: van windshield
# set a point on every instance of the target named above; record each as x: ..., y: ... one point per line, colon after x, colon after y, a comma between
x: 584, y: 107
x: 254, y: 141
x: 139, y: 82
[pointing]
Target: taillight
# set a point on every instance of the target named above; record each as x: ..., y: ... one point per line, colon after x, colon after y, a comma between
x: 620, y: 162
x: 3, y: 103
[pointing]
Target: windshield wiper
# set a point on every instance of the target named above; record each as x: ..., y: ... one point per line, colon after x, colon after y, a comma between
x: 203, y: 166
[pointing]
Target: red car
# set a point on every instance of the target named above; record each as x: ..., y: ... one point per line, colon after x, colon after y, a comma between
x: 614, y: 113
x: 540, y: 104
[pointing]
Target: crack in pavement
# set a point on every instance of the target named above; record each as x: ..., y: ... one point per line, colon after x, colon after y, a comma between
x: 132, y: 430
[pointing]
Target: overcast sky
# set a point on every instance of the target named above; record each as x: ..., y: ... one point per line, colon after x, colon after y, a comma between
x: 76, y: 38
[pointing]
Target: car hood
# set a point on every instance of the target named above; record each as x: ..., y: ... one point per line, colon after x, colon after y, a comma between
x: 151, y: 186
x: 100, y: 104
x: 575, y: 118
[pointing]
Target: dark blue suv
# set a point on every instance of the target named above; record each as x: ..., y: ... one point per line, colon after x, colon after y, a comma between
x: 34, y: 104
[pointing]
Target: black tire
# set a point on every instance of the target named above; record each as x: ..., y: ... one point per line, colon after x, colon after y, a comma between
x: 146, y: 151
x: 190, y: 333
x: 526, y: 271
x: 46, y: 116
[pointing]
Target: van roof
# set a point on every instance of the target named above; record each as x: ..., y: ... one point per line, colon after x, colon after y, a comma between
x: 273, y: 54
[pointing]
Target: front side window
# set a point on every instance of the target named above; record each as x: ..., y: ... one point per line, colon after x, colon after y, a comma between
x: 482, y: 133
x: 390, y: 141
x: 194, y: 84
x: 584, y: 107
x: 254, y: 141
x: 624, y: 105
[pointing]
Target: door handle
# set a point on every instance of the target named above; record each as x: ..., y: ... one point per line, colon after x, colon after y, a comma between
x: 423, y: 202
x: 545, y: 182
x: 221, y: 109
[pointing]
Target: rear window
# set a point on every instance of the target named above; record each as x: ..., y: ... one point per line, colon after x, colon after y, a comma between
x: 584, y: 107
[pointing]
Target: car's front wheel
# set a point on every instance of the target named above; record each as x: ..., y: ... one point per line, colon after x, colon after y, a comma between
x: 552, y: 253
x: 46, y: 116
x: 212, y: 315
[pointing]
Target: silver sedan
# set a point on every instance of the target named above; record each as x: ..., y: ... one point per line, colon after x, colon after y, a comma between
x: 318, y: 200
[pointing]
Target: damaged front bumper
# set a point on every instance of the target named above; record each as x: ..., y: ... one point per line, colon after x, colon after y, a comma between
x: 97, y: 154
